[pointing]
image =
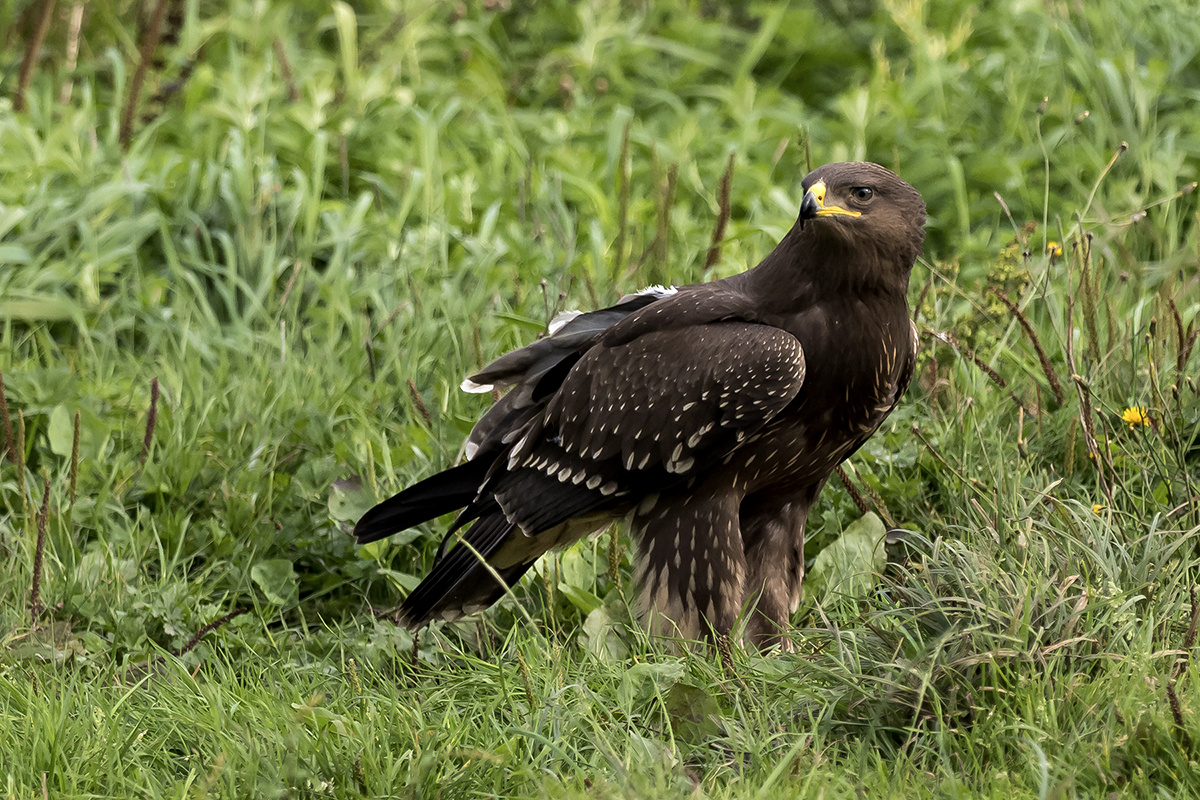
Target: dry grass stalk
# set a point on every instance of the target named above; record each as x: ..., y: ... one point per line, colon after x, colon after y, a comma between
x: 73, y: 476
x: 877, y: 501
x: 921, y: 297
x: 1087, y: 285
x: 35, y: 591
x: 935, y: 387
x: 622, y: 202
x: 150, y: 39
x: 32, y: 48
x: 420, y: 404
x: 20, y: 460
x: 1189, y: 638
x: 723, y: 211
x: 1085, y: 417
x: 950, y: 339
x: 1037, y: 345
x: 287, y: 290
x: 370, y: 358
x: 853, y: 490
x: 76, y: 25
x: 1180, y: 335
x: 662, y: 232
x: 1177, y: 716
x: 172, y: 88
x: 526, y: 680
x: 615, y: 552
x: 151, y: 421
x: 285, y: 69
x: 10, y: 447
x: 1183, y: 350
x: 916, y: 429
x: 858, y: 490
x: 207, y: 629
x: 1111, y: 316
x: 1072, y: 444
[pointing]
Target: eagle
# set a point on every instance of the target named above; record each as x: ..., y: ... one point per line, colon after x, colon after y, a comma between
x: 710, y: 415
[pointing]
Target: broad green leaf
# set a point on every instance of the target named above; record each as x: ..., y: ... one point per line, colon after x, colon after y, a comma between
x: 13, y: 254
x: 847, y: 569
x: 349, y: 499
x: 535, y: 325
x: 93, y: 433
x: 581, y: 598
x: 695, y: 714
x: 40, y: 308
x: 642, y: 681
x: 401, y: 580
x: 322, y: 720
x: 277, y: 580
x: 55, y: 643
x: 602, y: 636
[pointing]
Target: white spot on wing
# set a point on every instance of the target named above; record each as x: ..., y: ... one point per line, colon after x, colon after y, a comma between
x: 562, y: 319
x: 471, y: 386
x: 656, y: 290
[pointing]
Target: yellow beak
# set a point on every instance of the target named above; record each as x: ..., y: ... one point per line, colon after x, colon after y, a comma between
x: 814, y: 204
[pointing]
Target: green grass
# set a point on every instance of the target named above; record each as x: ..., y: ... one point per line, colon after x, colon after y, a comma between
x: 309, y: 254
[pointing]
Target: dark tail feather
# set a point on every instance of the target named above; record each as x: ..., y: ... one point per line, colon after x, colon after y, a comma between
x: 436, y: 495
x: 458, y: 584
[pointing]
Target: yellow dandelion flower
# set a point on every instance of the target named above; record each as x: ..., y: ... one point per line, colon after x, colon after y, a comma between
x: 1097, y: 508
x: 1054, y: 249
x: 1135, y: 415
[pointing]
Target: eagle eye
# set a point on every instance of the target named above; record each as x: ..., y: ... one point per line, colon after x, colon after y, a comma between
x: 862, y: 194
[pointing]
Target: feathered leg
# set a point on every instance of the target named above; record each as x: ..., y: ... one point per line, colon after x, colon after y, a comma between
x: 774, y: 536
x: 691, y: 568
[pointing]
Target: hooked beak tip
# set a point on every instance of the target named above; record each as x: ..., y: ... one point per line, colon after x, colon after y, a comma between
x: 809, y: 206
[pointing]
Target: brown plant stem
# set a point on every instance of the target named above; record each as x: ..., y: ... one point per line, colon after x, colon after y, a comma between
x: 151, y: 421
x: 32, y: 49
x: 420, y: 404
x: 73, y: 475
x: 622, y: 203
x: 35, y: 591
x: 853, y: 490
x: 73, y: 31
x: 723, y: 211
x: 207, y: 629
x: 285, y: 69
x: 10, y: 447
x: 995, y: 377
x: 150, y: 39
x: 1037, y: 345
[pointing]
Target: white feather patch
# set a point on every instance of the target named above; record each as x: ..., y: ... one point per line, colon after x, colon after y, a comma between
x: 562, y: 319
x: 471, y: 386
x: 656, y: 290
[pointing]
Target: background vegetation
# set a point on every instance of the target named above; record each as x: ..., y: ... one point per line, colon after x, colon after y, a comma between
x: 248, y: 249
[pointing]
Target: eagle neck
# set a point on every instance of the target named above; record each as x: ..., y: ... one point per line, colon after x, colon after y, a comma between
x: 801, y: 272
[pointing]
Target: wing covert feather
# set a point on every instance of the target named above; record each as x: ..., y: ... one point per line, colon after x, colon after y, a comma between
x: 641, y: 416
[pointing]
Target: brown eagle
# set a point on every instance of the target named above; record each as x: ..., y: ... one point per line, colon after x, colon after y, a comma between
x: 711, y: 415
